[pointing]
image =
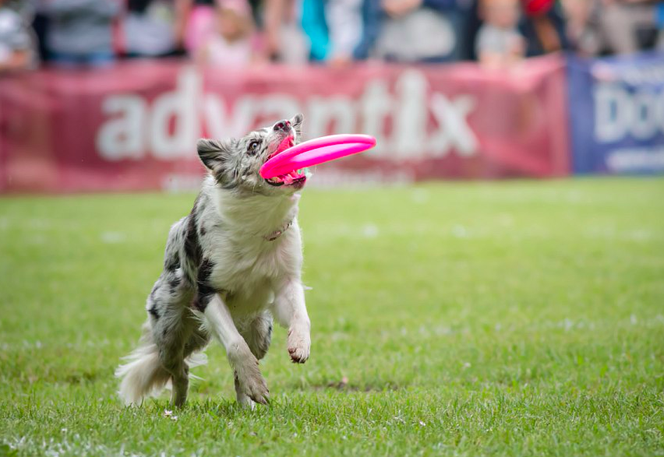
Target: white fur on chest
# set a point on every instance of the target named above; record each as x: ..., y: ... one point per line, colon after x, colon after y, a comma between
x: 248, y: 268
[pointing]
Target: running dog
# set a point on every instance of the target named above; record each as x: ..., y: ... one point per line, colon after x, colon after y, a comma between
x: 230, y: 266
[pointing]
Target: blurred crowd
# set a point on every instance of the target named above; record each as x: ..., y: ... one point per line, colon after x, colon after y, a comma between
x: 497, y: 33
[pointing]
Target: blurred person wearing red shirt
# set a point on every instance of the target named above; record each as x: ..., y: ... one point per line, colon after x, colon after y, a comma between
x: 543, y: 27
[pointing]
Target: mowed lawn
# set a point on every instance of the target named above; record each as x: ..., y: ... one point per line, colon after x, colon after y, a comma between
x: 504, y: 318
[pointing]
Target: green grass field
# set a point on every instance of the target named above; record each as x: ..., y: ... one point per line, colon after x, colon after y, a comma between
x: 509, y: 318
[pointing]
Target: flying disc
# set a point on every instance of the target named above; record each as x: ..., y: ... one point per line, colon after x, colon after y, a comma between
x: 314, y: 152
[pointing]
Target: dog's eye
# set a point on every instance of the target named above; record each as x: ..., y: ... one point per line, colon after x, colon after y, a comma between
x: 253, y: 147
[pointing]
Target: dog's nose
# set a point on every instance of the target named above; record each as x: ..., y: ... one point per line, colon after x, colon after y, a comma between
x: 282, y: 125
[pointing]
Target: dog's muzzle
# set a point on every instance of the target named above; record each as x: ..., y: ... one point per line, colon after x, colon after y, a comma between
x: 295, y: 178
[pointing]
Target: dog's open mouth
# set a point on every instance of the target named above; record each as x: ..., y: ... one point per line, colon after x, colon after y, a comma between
x: 294, y: 178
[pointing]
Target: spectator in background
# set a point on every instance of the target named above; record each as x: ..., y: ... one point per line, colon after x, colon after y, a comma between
x: 194, y: 23
x: 601, y: 27
x: 628, y: 26
x: 314, y: 24
x: 284, y: 38
x: 582, y: 26
x: 81, y: 32
x: 345, y: 24
x: 499, y: 43
x: 232, y: 41
x: 659, y: 20
x: 335, y: 29
x: 17, y: 45
x: 149, y: 28
x: 332, y: 29
x: 543, y: 27
x: 409, y: 30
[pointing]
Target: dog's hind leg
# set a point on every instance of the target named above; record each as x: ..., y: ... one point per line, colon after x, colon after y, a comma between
x: 163, y: 354
x: 173, y: 325
x: 171, y: 354
x: 257, y: 332
x: 179, y: 343
x: 160, y: 356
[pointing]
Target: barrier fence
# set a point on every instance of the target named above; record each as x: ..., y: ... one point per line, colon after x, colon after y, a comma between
x: 134, y: 126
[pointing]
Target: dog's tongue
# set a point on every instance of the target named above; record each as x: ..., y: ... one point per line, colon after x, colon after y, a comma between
x: 285, y: 144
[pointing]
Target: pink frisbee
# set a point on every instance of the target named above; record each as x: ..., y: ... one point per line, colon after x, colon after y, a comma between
x: 314, y: 152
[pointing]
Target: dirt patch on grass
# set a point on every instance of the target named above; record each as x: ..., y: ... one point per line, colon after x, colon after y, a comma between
x: 344, y: 385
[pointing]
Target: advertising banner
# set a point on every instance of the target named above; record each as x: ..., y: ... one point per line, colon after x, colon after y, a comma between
x: 134, y: 126
x: 617, y: 114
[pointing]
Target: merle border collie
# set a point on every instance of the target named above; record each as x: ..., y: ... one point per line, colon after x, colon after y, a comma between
x: 230, y: 267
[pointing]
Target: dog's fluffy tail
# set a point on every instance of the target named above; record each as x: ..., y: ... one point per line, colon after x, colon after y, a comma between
x: 143, y: 375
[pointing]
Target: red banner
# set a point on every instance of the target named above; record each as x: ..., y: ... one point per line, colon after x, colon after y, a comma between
x: 134, y: 126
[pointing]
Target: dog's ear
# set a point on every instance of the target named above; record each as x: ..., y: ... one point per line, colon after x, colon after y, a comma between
x: 214, y: 154
x: 296, y: 123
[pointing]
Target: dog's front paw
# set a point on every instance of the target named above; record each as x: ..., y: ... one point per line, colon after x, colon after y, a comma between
x: 299, y: 344
x: 251, y: 382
